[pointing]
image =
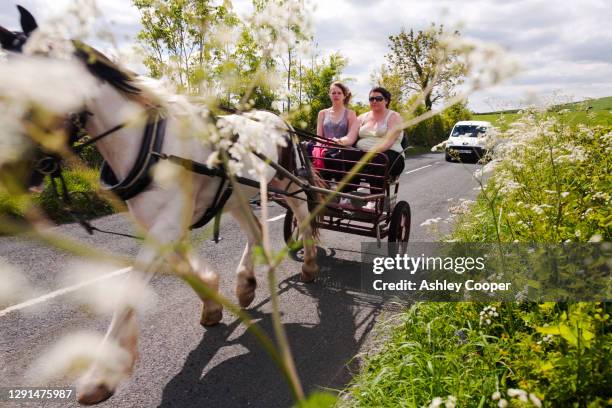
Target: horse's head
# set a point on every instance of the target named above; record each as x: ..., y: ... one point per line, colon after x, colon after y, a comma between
x: 29, y: 171
x: 15, y: 40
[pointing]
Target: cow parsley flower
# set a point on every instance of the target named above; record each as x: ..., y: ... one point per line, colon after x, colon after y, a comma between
x: 487, y: 314
x: 431, y: 221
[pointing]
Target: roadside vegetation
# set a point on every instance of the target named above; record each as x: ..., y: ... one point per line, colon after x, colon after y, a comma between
x: 83, y: 185
x: 549, y: 182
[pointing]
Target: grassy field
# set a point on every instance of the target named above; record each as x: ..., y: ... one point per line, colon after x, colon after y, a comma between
x: 594, y: 112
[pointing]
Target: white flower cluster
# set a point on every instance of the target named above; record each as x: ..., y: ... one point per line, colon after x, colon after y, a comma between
x: 487, y: 314
x: 60, y: 86
x: 280, y: 25
x: 519, y: 394
x: 449, y: 402
x: 57, y: 85
x: 13, y: 143
x: 439, y: 147
x: 546, y: 339
x: 601, y: 195
x: 105, y: 291
x: 463, y: 207
x: 75, y: 352
x: 258, y: 131
x: 486, y: 63
x: 53, y: 36
x: 15, y: 287
x: 431, y: 221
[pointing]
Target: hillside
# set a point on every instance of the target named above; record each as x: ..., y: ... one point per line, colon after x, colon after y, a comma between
x: 595, y: 111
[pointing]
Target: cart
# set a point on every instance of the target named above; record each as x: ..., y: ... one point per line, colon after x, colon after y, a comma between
x: 388, y: 218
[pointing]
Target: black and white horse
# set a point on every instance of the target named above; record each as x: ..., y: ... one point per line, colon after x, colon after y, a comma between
x: 167, y: 210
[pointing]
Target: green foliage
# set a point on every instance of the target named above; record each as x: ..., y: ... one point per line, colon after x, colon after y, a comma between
x: 91, y: 157
x: 392, y: 81
x: 551, y: 185
x: 179, y: 40
x: 428, y: 132
x: 454, y: 114
x: 318, y: 400
x: 82, y: 184
x: 317, y: 81
x: 423, y: 65
x: 442, y: 349
x: 436, y: 129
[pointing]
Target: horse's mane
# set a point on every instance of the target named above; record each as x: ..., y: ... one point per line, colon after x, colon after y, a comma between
x: 128, y: 83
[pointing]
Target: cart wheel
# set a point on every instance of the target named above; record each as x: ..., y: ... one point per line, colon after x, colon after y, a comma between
x: 399, y: 230
x: 291, y: 232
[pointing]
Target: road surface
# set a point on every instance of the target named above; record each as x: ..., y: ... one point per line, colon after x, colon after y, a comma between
x: 185, y: 365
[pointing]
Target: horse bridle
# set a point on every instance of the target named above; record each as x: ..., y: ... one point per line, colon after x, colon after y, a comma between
x: 51, y: 164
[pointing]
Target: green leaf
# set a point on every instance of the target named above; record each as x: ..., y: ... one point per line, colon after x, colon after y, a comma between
x: 549, y: 330
x: 547, y: 366
x: 568, y: 334
x: 318, y: 400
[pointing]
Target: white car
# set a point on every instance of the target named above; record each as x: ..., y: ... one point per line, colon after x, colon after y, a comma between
x: 468, y: 139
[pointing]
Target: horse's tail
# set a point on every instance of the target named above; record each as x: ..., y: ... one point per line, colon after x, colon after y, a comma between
x: 317, y: 181
x: 290, y: 158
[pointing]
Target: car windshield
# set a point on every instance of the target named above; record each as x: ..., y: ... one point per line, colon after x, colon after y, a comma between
x: 468, y: 130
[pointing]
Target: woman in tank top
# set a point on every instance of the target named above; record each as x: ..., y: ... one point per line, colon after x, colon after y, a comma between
x: 373, y: 127
x: 333, y: 123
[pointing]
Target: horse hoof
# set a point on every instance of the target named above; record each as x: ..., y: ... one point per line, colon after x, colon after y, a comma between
x: 211, y: 318
x: 246, y: 292
x: 309, y: 273
x: 245, y: 299
x: 94, y: 395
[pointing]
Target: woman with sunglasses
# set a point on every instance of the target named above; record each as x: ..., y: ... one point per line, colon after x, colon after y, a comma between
x: 374, y: 128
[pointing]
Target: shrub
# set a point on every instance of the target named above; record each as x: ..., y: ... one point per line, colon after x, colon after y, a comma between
x: 436, y: 129
x: 428, y: 132
x: 550, y: 182
x: 82, y: 184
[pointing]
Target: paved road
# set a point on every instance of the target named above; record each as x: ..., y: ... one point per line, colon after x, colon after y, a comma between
x: 185, y: 365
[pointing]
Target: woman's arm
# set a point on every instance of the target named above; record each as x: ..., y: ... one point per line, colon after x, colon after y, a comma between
x: 353, y: 130
x: 320, y: 119
x: 393, y: 125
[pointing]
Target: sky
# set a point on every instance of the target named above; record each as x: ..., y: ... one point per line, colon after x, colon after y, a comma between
x: 564, y: 47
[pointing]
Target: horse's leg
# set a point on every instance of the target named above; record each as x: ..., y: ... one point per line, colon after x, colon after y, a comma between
x: 245, y: 279
x: 310, y: 269
x: 212, y: 312
x: 101, y: 381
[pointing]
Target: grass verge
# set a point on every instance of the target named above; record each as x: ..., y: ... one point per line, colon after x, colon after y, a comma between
x: 550, y: 181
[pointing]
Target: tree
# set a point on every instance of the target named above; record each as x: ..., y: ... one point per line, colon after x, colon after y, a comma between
x: 316, y: 83
x: 393, y: 82
x: 177, y: 36
x: 424, y: 65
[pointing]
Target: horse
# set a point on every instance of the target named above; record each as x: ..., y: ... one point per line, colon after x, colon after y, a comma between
x: 164, y: 210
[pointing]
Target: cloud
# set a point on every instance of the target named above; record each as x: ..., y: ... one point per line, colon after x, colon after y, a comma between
x: 559, y: 47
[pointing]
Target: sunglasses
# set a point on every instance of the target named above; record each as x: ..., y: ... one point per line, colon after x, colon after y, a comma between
x: 376, y: 98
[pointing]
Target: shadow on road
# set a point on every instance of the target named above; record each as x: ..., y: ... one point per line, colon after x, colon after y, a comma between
x: 323, y: 352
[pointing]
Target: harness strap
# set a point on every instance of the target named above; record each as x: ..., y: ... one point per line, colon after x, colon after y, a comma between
x: 224, y: 192
x: 139, y: 177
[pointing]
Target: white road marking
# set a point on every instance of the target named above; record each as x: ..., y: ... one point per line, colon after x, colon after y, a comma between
x: 78, y: 286
x: 278, y: 217
x: 420, y: 168
x: 62, y: 291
